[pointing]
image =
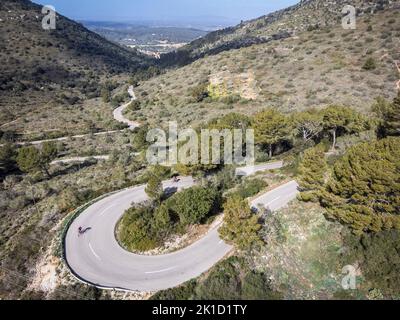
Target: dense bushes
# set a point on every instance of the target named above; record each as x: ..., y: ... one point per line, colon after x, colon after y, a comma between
x: 194, y: 205
x: 32, y: 159
x: 370, y: 64
x: 379, y: 260
x: 147, y: 226
x: 134, y: 106
x: 199, y: 92
x: 232, y: 279
x: 7, y: 159
x: 136, y: 229
x: 118, y: 99
x: 251, y: 187
x: 389, y: 114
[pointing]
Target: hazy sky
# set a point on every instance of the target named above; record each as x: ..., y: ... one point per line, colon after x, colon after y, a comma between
x: 169, y: 10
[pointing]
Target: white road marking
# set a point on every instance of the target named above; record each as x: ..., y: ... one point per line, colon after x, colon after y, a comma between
x: 101, y: 213
x: 159, y: 271
x: 95, y: 254
x: 272, y: 201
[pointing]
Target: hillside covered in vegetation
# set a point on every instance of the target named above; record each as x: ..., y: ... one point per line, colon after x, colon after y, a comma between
x: 328, y: 65
x: 53, y: 67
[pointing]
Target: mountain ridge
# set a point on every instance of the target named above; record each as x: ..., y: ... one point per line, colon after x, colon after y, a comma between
x: 276, y: 25
x: 43, y: 64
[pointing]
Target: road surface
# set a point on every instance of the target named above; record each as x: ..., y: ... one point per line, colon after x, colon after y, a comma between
x: 250, y: 170
x: 79, y: 159
x: 118, y: 116
x: 98, y: 259
x: 119, y: 112
x: 277, y: 198
x: 83, y: 159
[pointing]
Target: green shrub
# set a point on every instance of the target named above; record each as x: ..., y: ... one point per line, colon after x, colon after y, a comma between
x: 231, y: 279
x: 154, y: 188
x: 241, y: 226
x: 194, y: 205
x: 134, y: 106
x: 136, y: 231
x: 379, y: 260
x: 199, y: 92
x: 255, y: 286
x: 223, y: 283
x: 183, y: 292
x: 251, y: 187
x: 370, y: 64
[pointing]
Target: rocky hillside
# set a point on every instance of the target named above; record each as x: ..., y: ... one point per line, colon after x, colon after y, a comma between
x: 306, y: 15
x: 40, y: 64
x: 315, y: 68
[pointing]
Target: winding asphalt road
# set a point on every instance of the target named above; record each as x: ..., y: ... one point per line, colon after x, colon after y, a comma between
x: 97, y: 258
x: 118, y: 116
x: 250, y: 170
x: 278, y: 197
x: 119, y: 112
x: 79, y: 159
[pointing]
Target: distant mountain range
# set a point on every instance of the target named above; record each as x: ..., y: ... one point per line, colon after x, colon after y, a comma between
x: 204, y: 23
x: 153, y: 39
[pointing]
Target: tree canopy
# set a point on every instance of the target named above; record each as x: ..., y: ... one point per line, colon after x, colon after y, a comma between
x: 270, y: 128
x: 390, y: 115
x: 339, y: 119
x: 7, y: 158
x: 32, y: 159
x: 241, y: 225
x: 194, y: 204
x: 154, y: 188
x: 364, y: 187
x: 307, y: 124
x: 312, y: 172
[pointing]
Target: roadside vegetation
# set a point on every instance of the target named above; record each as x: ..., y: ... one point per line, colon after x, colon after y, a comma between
x: 321, y: 101
x: 360, y: 190
x: 148, y: 226
x: 231, y: 279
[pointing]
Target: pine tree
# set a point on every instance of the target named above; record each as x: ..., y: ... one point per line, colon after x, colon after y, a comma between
x: 154, y: 188
x: 270, y: 128
x: 105, y: 95
x: 312, y: 171
x: 307, y: 124
x: 338, y: 119
x: 31, y: 159
x: 392, y: 118
x: 363, y: 191
x: 241, y: 226
x: 7, y: 158
x: 28, y: 159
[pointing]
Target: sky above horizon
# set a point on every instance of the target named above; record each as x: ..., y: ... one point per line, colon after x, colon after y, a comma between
x: 167, y: 10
